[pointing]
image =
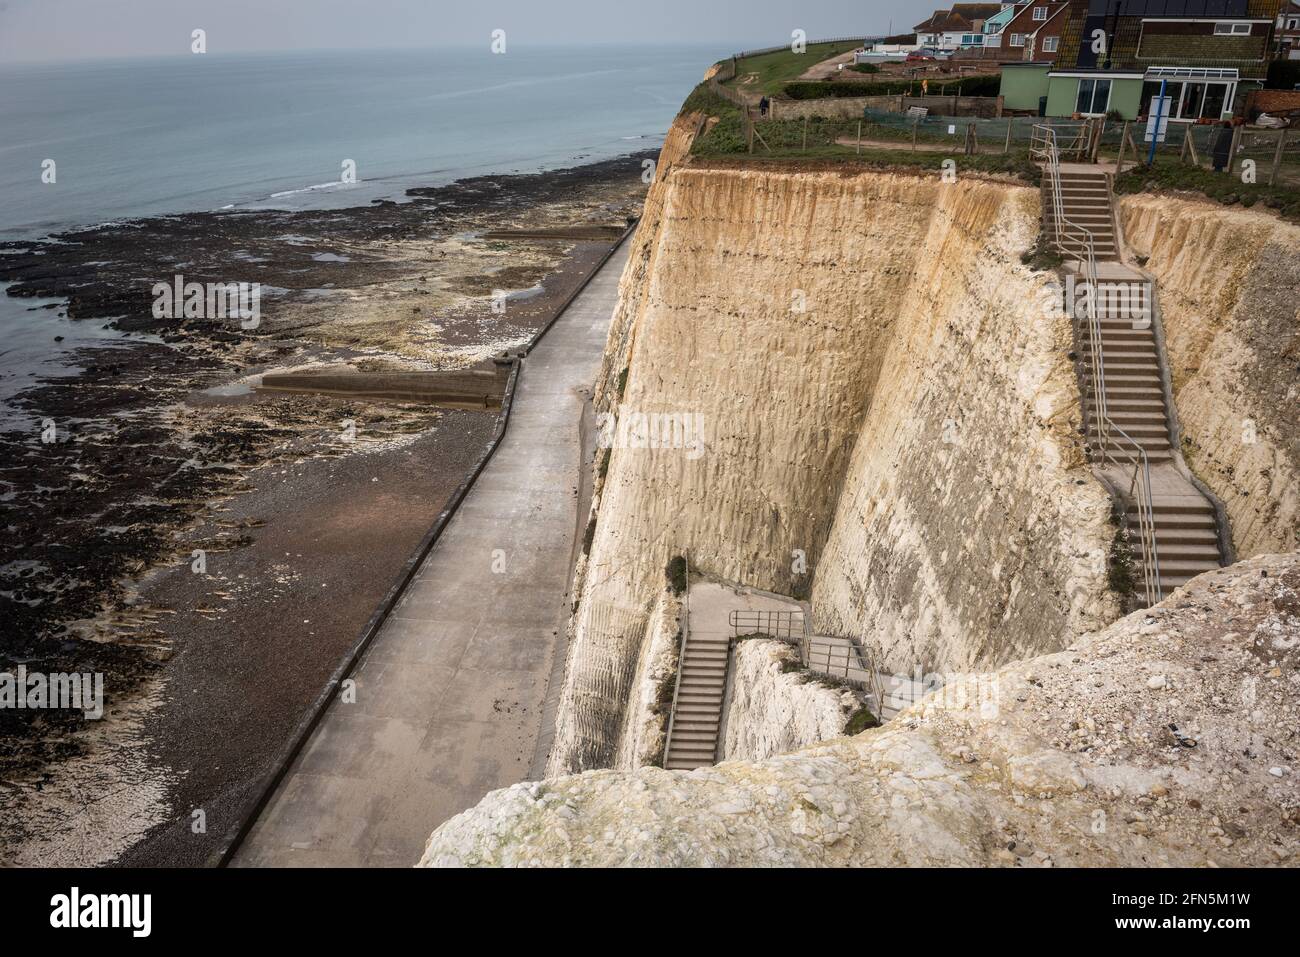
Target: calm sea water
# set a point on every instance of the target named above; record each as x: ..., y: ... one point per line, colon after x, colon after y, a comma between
x: 141, y: 137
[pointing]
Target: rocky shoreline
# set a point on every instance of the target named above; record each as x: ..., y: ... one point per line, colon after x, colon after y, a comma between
x: 163, y: 450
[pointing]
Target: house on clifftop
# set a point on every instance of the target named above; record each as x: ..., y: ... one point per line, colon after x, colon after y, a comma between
x: 1288, y: 32
x: 1113, y: 56
x: 962, y: 27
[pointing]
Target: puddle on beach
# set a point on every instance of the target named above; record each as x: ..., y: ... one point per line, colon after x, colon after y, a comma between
x: 38, y: 341
x: 530, y: 293
x: 229, y: 390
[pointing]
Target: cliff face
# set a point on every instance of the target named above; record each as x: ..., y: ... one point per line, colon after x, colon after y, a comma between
x: 774, y: 707
x: 1229, y: 289
x: 968, y: 533
x: 1163, y: 740
x: 885, y: 416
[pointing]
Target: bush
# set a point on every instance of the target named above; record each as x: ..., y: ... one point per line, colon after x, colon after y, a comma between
x: 676, y: 573
x: 703, y: 99
x: 1121, y: 572
x: 966, y: 86
x: 860, y: 721
x: 865, y: 68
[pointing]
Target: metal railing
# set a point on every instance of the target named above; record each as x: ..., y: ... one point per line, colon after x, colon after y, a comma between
x: 681, y: 656
x: 1114, y: 445
x: 840, y: 658
x: 789, y: 626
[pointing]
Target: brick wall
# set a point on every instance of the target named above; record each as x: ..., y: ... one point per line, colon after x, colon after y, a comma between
x: 1273, y: 101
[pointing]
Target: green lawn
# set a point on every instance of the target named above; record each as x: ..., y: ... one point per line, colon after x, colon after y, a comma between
x: 785, y: 142
x: 775, y: 70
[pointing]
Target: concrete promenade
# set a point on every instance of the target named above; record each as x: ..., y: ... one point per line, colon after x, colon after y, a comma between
x: 451, y: 692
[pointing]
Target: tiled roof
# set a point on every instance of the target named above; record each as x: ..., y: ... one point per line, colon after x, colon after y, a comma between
x: 977, y: 11
x: 944, y: 20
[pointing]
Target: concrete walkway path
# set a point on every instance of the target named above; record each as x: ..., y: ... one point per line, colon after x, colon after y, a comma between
x: 451, y: 693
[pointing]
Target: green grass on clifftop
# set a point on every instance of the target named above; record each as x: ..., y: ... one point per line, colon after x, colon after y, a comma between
x: 775, y: 70
x: 785, y: 144
x: 1170, y: 176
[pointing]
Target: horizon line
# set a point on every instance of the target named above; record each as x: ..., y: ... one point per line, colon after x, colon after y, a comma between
x: 728, y: 44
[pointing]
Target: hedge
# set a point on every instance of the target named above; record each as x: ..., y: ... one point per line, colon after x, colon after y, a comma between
x: 822, y: 89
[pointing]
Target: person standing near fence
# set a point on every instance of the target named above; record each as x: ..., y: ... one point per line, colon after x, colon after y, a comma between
x: 1222, y: 147
x: 763, y: 104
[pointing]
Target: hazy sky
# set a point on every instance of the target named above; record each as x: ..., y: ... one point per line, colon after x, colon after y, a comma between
x: 77, y: 29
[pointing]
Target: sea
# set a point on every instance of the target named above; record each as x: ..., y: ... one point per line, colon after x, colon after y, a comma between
x: 85, y: 143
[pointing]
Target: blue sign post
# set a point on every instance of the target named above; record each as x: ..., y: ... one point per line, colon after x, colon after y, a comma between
x: 1159, y: 119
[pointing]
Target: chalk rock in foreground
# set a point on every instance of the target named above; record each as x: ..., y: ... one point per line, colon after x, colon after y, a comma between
x: 1075, y: 758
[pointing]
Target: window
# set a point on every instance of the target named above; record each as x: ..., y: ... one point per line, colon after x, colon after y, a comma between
x: 1017, y: 39
x: 1040, y: 13
x: 1232, y: 29
x: 1050, y: 44
x: 1094, y: 97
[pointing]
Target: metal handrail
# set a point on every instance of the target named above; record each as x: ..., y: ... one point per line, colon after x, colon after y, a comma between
x: 681, y: 657
x: 1043, y: 146
x: 831, y: 659
x: 776, y: 624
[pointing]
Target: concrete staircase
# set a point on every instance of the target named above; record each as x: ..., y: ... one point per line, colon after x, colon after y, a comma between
x: 1184, y: 520
x: 1085, y: 193
x: 1134, y: 392
x: 697, y: 716
x: 1187, y: 536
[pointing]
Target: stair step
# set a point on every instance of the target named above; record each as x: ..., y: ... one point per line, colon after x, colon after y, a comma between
x: 1175, y: 537
x: 682, y: 736
x: 1113, y: 346
x: 1187, y: 521
x: 1148, y: 444
x: 1149, y: 392
x: 1079, y: 221
x: 1127, y: 378
x: 1155, y: 412
x: 1141, y: 359
x: 1125, y: 337
x: 704, y: 703
x: 696, y: 666
x: 1170, y: 551
x: 697, y: 715
x: 1120, y: 406
x: 1154, y: 457
x: 695, y: 749
x: 692, y: 725
x: 1179, y: 505
x: 1190, y: 569
x: 1144, y: 434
